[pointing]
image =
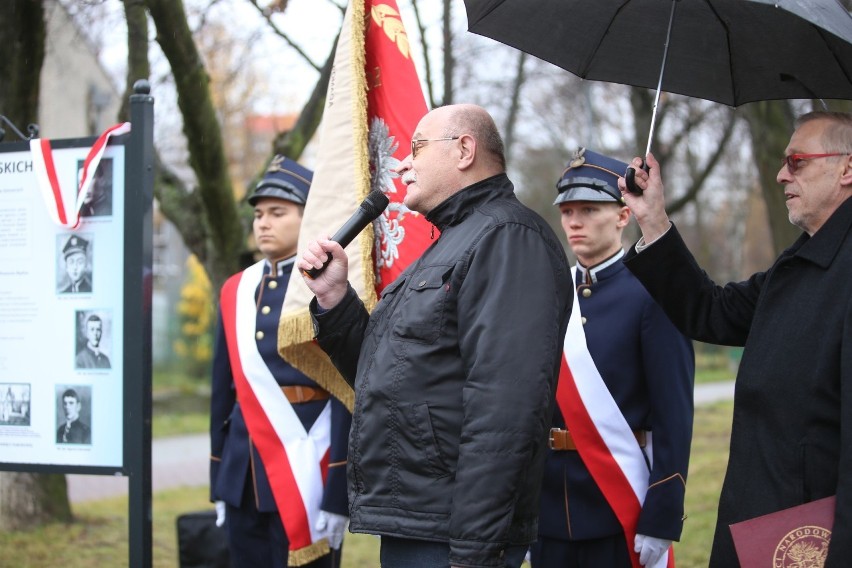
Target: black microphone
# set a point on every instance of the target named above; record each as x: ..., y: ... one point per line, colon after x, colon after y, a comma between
x: 370, y: 208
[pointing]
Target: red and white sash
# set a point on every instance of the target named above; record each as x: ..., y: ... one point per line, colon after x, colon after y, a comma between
x: 62, y: 212
x: 604, y: 440
x: 296, y: 461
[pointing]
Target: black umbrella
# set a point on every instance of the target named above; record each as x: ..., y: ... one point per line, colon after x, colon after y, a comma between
x: 728, y: 51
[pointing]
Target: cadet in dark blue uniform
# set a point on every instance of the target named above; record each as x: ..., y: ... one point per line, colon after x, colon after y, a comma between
x: 647, y: 367
x: 260, y: 471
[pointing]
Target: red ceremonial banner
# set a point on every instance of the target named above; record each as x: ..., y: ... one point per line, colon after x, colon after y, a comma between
x: 395, y: 105
x: 373, y: 105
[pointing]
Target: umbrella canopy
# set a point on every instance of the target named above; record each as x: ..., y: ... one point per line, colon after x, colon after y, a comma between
x: 727, y: 51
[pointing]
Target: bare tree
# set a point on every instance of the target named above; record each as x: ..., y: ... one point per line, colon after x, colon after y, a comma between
x: 770, y: 124
x: 26, y: 499
x: 208, y: 216
x: 22, y: 35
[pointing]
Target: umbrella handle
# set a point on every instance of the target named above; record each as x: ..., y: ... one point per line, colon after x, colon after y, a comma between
x: 630, y: 181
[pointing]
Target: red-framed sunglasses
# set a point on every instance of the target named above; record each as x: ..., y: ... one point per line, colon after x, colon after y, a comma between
x: 793, y: 161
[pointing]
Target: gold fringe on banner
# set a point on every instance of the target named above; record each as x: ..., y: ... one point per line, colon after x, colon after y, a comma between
x: 309, y: 553
x: 303, y: 353
x: 295, y: 329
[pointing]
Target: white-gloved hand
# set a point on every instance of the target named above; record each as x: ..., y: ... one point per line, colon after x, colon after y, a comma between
x: 332, y: 527
x: 220, y: 513
x: 650, y: 549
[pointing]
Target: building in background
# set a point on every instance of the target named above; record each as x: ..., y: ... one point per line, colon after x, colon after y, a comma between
x: 77, y: 98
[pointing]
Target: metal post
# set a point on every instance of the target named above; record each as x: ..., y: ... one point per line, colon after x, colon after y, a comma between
x: 138, y: 281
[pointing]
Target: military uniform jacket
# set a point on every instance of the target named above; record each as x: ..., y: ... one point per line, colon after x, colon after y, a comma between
x: 234, y: 460
x: 84, y: 285
x: 88, y: 359
x: 77, y: 433
x: 454, y: 374
x: 791, y: 441
x: 648, y: 367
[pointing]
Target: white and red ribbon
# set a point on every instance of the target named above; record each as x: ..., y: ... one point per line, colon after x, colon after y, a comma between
x: 64, y: 213
x: 603, y: 437
x: 294, y: 459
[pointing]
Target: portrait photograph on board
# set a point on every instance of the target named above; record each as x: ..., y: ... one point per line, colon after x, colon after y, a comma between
x: 93, y: 339
x: 73, y: 414
x: 98, y: 199
x: 74, y: 263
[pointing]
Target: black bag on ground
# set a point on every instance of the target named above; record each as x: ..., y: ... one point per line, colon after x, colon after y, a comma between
x: 201, y: 544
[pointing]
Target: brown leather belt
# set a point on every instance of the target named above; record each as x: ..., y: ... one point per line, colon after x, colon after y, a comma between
x: 302, y: 393
x: 562, y: 439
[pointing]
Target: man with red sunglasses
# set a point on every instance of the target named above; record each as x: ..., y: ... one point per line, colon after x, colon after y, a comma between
x: 791, y: 441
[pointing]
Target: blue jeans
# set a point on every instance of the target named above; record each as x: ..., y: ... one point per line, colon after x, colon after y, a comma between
x: 410, y: 553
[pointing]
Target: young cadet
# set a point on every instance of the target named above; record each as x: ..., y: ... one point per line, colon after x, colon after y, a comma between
x: 631, y: 388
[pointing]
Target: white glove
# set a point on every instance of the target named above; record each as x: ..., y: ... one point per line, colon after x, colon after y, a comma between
x: 220, y: 513
x: 650, y: 549
x: 332, y: 527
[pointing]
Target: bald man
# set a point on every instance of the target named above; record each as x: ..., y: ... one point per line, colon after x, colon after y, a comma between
x: 455, y: 370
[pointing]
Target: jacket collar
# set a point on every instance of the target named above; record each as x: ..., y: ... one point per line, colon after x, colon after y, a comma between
x: 824, y: 245
x: 456, y: 207
x: 600, y: 271
x: 276, y: 267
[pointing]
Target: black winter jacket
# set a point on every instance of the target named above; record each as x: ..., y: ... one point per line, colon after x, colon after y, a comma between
x: 454, y: 376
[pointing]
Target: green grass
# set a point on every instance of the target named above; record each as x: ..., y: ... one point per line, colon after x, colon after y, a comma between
x: 707, y: 463
x: 182, y: 405
x: 98, y: 536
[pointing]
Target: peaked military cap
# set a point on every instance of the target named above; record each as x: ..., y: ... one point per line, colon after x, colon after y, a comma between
x: 284, y: 179
x: 75, y: 244
x: 590, y: 176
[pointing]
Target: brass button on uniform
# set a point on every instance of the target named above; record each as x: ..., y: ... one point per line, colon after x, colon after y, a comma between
x: 587, y: 292
x: 273, y: 284
x: 259, y: 335
x: 265, y: 310
x: 421, y: 284
x: 583, y: 319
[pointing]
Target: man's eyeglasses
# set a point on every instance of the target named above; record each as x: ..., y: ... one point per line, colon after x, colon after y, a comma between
x: 793, y: 161
x: 415, y: 143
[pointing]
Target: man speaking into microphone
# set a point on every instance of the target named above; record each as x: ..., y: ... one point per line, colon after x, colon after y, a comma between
x: 455, y: 369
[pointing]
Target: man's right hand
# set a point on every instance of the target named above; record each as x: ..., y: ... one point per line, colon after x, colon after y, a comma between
x: 220, y: 513
x: 649, y: 208
x: 331, y: 284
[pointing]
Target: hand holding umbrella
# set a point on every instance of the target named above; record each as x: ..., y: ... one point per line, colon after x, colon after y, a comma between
x: 649, y: 204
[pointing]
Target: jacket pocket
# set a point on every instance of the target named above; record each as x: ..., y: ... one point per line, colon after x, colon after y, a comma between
x: 421, y: 316
x: 388, y: 294
x: 423, y: 450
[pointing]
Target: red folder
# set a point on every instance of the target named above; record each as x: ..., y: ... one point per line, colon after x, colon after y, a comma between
x: 797, y: 536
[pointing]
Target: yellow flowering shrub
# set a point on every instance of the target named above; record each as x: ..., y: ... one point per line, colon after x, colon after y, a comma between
x: 196, y: 312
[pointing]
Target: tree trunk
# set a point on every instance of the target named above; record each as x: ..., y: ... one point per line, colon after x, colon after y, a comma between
x: 449, y: 55
x: 26, y: 499
x: 208, y: 218
x: 207, y: 158
x: 514, y: 105
x: 138, y: 66
x: 771, y: 124
x: 30, y: 499
x: 22, y: 34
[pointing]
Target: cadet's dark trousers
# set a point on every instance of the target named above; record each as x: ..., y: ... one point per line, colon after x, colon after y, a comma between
x: 258, y: 540
x: 410, y: 553
x: 593, y: 553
